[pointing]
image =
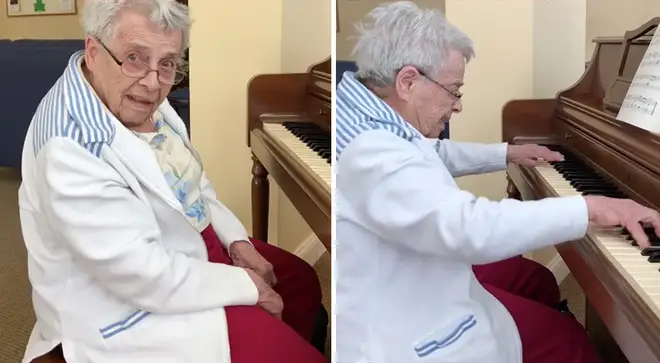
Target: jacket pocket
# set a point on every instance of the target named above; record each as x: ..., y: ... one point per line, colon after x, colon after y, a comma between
x: 445, y: 336
x: 124, y: 324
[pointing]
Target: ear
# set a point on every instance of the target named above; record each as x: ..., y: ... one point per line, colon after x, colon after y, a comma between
x: 404, y: 81
x: 92, y: 51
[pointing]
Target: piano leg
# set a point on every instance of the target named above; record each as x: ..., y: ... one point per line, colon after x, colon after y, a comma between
x: 511, y: 190
x: 260, y: 200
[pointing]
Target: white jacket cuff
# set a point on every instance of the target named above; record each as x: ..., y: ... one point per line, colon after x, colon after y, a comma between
x: 500, y: 151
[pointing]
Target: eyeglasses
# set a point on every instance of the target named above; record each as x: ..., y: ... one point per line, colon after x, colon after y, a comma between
x: 456, y: 94
x: 134, y: 68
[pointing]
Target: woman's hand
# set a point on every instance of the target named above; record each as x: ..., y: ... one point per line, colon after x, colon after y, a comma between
x: 243, y: 254
x: 269, y: 300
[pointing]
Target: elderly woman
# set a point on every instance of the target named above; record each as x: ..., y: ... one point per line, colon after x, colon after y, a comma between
x: 409, y: 291
x: 131, y: 256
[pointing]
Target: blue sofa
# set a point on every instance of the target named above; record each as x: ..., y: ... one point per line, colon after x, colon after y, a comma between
x: 28, y: 69
x: 350, y: 66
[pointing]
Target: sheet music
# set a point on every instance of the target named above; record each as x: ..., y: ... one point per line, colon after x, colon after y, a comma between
x: 640, y: 106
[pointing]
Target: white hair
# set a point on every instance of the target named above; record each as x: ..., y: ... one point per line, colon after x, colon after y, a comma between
x: 99, y: 16
x: 402, y: 34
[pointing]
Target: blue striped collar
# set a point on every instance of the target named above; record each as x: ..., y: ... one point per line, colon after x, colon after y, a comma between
x: 360, y: 110
x: 84, y: 106
x: 355, y: 94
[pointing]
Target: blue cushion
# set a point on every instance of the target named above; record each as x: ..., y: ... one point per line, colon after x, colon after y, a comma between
x: 180, y: 101
x: 29, y: 69
x: 344, y: 66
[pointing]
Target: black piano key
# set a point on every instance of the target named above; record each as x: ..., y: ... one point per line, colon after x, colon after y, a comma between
x: 595, y: 188
x: 588, y: 179
x: 654, y: 240
x: 654, y: 257
x: 592, y: 183
x: 650, y: 250
x: 313, y: 136
x: 649, y: 231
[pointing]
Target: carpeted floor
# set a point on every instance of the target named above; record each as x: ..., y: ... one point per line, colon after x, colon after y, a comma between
x: 16, y: 314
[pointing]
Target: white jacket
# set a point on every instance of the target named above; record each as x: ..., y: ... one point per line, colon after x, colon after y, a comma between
x: 118, y: 273
x: 407, y: 237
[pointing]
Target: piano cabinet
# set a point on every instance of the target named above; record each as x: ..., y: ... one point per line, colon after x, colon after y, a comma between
x: 289, y: 122
x: 621, y: 286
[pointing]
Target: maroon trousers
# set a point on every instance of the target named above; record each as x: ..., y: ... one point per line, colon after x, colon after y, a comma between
x: 255, y: 335
x: 530, y: 292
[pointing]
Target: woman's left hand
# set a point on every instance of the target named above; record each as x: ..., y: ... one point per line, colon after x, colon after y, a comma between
x: 529, y: 154
x: 243, y: 254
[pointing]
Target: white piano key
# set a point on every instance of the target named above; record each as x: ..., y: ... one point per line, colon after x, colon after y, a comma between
x: 310, y: 160
x: 642, y: 275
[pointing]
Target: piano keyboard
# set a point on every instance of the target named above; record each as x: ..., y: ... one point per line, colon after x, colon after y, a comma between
x: 308, y: 145
x: 640, y: 268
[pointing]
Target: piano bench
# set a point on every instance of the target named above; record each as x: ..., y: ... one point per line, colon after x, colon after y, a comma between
x: 54, y: 356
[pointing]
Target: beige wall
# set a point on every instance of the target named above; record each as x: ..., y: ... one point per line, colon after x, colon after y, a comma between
x: 612, y: 18
x: 559, y: 28
x: 230, y: 43
x: 282, y: 36
x: 502, y: 70
x: 306, y: 33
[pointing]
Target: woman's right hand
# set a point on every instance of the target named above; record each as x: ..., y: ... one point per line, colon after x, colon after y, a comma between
x: 627, y: 213
x: 269, y: 300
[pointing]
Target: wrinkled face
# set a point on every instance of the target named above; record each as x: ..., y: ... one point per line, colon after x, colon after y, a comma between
x: 133, y: 99
x: 430, y: 100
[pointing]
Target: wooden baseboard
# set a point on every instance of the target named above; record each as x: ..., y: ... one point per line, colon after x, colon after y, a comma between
x: 310, y: 250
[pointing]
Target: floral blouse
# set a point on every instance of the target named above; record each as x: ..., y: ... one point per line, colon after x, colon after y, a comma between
x: 181, y: 169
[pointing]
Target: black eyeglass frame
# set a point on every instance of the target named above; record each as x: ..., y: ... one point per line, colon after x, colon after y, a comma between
x: 178, y: 74
x: 455, y: 94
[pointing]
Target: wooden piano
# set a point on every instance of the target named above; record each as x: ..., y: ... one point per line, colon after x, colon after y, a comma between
x: 289, y: 134
x: 604, y: 156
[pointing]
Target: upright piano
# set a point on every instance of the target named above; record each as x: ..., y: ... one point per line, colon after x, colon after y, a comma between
x: 608, y: 157
x: 289, y: 134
